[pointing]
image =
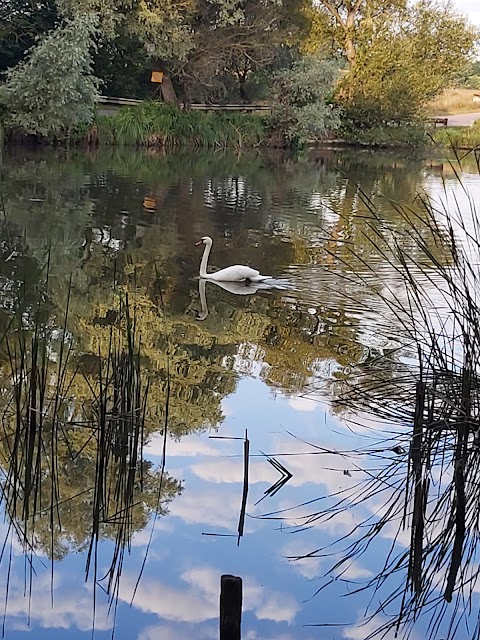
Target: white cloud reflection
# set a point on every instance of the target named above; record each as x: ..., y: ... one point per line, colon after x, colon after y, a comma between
x: 198, y: 600
x: 72, y: 605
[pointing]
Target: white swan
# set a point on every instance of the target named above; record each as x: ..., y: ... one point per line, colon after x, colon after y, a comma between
x: 235, y: 273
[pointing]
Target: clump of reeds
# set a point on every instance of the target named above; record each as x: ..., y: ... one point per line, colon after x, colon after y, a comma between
x: 154, y: 124
x: 428, y: 412
x: 46, y: 431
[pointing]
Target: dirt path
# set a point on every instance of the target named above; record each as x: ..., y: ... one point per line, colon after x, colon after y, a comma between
x: 462, y: 119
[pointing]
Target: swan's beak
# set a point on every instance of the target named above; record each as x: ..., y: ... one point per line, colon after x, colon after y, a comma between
x: 199, y: 242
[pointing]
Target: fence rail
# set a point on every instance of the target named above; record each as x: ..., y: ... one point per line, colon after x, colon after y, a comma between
x: 240, y: 108
x: 438, y: 121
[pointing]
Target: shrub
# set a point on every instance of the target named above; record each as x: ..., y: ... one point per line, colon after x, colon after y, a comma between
x: 301, y: 108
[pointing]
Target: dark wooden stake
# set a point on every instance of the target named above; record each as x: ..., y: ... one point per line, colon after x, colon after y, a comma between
x: 230, y: 607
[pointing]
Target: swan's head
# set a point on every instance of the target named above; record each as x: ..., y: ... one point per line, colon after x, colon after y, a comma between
x: 204, y: 240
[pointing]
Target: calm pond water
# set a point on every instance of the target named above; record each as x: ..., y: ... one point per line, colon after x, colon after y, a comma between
x: 127, y: 386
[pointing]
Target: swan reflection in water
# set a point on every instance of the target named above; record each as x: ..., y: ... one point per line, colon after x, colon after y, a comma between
x: 238, y: 288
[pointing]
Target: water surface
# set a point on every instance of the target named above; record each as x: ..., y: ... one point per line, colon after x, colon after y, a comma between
x: 83, y: 235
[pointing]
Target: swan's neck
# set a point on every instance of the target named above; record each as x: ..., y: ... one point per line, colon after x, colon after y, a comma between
x: 203, y: 264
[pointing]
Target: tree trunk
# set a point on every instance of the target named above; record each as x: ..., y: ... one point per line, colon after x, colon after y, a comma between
x: 349, y: 39
x: 350, y: 50
x: 186, y: 96
x: 168, y: 91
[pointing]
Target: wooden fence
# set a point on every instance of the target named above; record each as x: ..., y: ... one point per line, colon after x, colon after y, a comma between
x: 239, y: 108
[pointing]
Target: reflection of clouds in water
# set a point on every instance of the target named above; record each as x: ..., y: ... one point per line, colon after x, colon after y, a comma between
x: 302, y: 404
x: 198, y: 600
x: 230, y: 471
x: 254, y: 635
x: 307, y: 567
x: 72, y: 605
x: 199, y: 506
x: 227, y: 409
x: 314, y: 567
x: 188, y: 446
x: 326, y: 469
x: 10, y: 535
x: 141, y: 538
x: 343, y: 522
x: 361, y: 630
x: 179, y: 631
x: 184, y: 604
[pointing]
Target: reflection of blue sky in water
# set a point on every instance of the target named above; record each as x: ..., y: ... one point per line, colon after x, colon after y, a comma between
x: 178, y: 594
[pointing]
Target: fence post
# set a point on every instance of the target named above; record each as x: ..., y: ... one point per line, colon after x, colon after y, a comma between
x: 230, y: 607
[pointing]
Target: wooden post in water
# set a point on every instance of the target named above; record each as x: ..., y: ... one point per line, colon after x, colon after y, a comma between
x: 230, y: 607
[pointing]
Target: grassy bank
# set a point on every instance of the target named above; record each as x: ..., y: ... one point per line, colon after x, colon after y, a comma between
x: 160, y: 125
x: 154, y: 124
x: 386, y: 135
x: 459, y: 137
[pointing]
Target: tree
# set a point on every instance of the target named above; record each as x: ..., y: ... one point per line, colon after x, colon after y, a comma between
x: 200, y: 43
x: 237, y: 39
x: 407, y: 59
x: 53, y: 89
x: 21, y: 23
x: 344, y: 20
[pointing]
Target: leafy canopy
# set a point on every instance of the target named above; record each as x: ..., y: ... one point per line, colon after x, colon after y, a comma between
x: 406, y: 60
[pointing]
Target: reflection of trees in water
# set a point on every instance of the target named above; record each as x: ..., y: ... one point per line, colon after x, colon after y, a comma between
x: 73, y: 430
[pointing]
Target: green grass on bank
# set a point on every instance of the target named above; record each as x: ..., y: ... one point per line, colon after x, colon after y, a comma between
x: 155, y: 124
x: 159, y: 125
x: 459, y: 137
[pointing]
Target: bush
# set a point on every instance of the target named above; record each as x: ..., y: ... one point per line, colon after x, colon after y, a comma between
x: 407, y: 135
x: 366, y: 126
x: 302, y: 109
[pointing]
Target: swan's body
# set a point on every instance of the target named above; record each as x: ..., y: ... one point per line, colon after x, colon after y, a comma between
x: 235, y: 273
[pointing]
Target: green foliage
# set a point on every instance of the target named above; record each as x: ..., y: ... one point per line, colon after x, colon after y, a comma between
x: 121, y: 63
x: 53, y: 89
x: 404, y: 62
x: 158, y: 124
x: 469, y: 76
x: 301, y: 111
x: 202, y: 45
x: 394, y: 134
x: 339, y: 25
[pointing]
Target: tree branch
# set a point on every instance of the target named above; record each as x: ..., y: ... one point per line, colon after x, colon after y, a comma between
x: 335, y: 13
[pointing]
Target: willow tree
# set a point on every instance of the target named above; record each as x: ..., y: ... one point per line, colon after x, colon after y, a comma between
x: 53, y: 89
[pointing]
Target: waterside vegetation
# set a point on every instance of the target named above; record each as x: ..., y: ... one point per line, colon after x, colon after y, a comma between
x: 365, y: 72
